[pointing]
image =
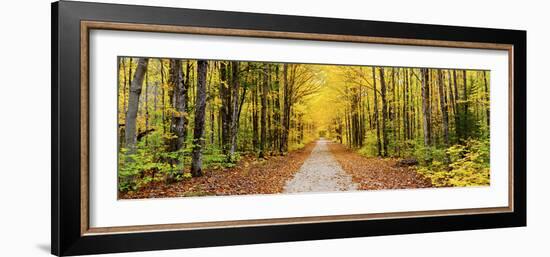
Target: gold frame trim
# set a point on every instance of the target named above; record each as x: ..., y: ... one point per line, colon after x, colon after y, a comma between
x: 86, y: 26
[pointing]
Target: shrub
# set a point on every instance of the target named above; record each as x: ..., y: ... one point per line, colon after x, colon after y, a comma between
x: 463, y: 165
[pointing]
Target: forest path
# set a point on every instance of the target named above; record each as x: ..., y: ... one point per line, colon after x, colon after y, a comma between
x: 320, y: 173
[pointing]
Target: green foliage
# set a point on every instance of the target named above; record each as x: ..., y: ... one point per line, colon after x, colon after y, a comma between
x: 214, y: 158
x: 150, y: 157
x: 136, y: 170
x: 428, y: 155
x: 410, y: 148
x: 465, y: 164
x: 369, y: 148
x: 296, y: 146
x: 365, y: 150
x: 468, y: 165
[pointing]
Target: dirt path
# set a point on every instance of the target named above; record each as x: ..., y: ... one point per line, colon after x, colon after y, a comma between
x: 320, y: 173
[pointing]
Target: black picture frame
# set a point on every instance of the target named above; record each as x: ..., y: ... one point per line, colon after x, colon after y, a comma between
x: 66, y: 235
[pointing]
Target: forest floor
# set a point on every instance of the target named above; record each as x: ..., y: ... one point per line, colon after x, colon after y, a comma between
x: 249, y: 176
x: 372, y: 173
x: 321, y: 166
x: 320, y: 173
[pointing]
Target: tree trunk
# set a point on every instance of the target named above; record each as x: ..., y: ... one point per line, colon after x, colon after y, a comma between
x: 465, y: 127
x: 348, y: 129
x: 384, y: 112
x: 367, y: 109
x: 285, y: 119
x: 163, y: 100
x: 122, y: 112
x: 376, y: 119
x: 129, y: 81
x: 406, y: 103
x: 458, y: 120
x: 211, y: 100
x: 277, y: 109
x: 187, y: 110
x: 452, y: 98
x: 200, y: 109
x: 361, y: 116
x: 133, y: 105
x: 225, y: 114
x: 426, y: 106
x: 263, y: 131
x: 234, y: 108
x: 124, y: 80
x: 443, y: 104
x: 487, y: 99
x: 254, y: 117
x: 146, y: 103
x: 179, y: 119
x: 339, y: 131
x: 396, y: 112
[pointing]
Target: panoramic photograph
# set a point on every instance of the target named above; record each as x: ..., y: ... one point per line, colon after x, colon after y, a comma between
x: 193, y: 128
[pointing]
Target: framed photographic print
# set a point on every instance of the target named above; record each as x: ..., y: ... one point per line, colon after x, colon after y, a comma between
x: 177, y: 128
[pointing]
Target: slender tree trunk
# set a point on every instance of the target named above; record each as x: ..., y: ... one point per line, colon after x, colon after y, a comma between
x: 277, y: 107
x: 271, y: 112
x: 458, y: 119
x: 431, y: 97
x: 124, y: 81
x: 414, y: 104
x: 255, y: 125
x: 367, y: 110
x: 122, y: 112
x: 465, y: 126
x: 130, y: 74
x: 265, y: 88
x: 384, y: 112
x: 186, y: 105
x: 210, y: 100
x: 376, y: 119
x: 443, y: 105
x: 219, y: 121
x: 235, y: 107
x: 396, y: 111
x: 339, y: 130
x: 285, y: 119
x: 452, y: 104
x: 406, y: 103
x: 163, y: 100
x: 133, y: 105
x: 225, y: 114
x: 425, y: 106
x: 348, y: 128
x: 200, y: 109
x: 353, y: 123
x: 146, y: 103
x: 487, y: 99
x: 212, y: 118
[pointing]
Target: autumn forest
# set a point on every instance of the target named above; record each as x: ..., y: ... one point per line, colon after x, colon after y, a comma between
x: 217, y: 127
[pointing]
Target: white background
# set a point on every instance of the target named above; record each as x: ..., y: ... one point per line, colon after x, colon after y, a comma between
x: 106, y: 211
x: 25, y: 115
